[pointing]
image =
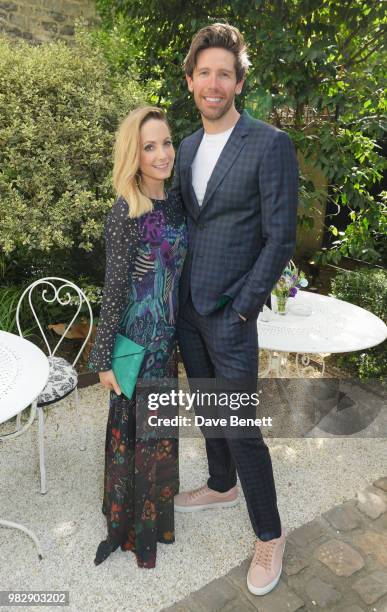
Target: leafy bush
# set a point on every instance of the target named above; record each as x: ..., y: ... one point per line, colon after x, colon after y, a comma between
x: 60, y: 107
x: 368, y: 289
x: 318, y: 70
x: 9, y: 297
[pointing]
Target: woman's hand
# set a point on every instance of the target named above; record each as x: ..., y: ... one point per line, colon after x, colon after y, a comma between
x: 108, y: 380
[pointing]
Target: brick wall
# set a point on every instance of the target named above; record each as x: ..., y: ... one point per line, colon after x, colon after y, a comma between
x: 43, y: 20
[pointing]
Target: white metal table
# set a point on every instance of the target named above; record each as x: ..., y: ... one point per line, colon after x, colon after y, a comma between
x: 24, y: 371
x: 315, y: 324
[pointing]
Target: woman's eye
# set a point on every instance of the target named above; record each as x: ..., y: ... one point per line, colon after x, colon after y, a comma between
x: 168, y: 143
x: 148, y: 147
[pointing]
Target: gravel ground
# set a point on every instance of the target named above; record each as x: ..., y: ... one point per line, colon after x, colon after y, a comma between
x: 311, y: 475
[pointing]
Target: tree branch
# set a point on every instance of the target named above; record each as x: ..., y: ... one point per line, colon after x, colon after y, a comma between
x: 355, y: 31
x: 360, y: 51
x: 363, y: 59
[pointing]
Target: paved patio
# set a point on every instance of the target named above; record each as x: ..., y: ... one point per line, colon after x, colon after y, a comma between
x: 336, y: 562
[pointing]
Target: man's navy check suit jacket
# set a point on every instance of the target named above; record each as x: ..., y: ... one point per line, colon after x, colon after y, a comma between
x: 244, y: 233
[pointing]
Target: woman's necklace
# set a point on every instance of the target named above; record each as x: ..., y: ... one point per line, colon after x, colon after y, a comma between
x: 154, y: 198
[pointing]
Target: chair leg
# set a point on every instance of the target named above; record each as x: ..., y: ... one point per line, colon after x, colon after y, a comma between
x: 43, y: 488
x: 18, y: 420
x: 82, y: 444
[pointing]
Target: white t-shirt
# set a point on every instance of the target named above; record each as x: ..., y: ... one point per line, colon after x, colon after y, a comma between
x: 205, y: 160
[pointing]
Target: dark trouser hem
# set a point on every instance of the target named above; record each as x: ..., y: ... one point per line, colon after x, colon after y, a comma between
x: 214, y: 485
x: 221, y: 466
x: 265, y: 536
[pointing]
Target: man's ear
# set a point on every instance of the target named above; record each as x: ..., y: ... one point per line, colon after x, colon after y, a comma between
x: 239, y: 87
x: 189, y: 82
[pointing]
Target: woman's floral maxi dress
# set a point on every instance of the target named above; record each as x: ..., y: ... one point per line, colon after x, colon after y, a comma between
x: 144, y: 260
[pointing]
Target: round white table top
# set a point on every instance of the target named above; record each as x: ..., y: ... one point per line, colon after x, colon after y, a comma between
x: 332, y: 326
x: 24, y: 371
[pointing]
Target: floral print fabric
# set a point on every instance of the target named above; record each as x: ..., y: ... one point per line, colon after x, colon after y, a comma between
x: 141, y: 473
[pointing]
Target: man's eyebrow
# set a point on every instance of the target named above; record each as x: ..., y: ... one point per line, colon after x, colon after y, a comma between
x: 219, y: 70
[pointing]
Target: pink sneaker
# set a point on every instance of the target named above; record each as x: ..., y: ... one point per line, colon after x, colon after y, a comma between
x: 203, y: 498
x: 266, y: 566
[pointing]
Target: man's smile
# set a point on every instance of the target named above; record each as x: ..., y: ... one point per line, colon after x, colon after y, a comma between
x: 212, y: 99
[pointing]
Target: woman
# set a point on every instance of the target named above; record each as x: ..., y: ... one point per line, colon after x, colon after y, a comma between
x: 146, y: 242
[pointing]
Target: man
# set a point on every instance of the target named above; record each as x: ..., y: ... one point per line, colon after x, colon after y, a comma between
x: 238, y: 179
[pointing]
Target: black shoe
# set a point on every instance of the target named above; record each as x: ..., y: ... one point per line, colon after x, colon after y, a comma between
x: 103, y: 551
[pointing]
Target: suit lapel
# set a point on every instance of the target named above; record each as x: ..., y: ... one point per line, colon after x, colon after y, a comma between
x: 227, y: 157
x: 192, y: 193
x: 187, y: 171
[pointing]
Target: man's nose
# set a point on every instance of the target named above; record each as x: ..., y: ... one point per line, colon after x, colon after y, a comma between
x: 213, y: 81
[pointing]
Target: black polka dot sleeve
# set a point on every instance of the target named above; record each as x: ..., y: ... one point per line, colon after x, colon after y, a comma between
x: 121, y: 243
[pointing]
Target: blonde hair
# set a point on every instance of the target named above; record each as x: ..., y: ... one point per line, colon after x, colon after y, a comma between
x: 127, y: 159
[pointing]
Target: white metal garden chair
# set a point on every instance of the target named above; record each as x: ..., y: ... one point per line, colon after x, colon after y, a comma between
x: 63, y: 378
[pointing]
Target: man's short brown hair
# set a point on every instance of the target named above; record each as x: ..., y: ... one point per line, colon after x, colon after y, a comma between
x: 220, y: 35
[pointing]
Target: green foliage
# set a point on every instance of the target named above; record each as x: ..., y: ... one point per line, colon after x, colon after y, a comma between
x: 317, y: 71
x: 118, y: 46
x: 358, y: 168
x: 367, y: 289
x: 60, y: 107
x: 9, y: 297
x: 92, y: 292
x: 12, y: 287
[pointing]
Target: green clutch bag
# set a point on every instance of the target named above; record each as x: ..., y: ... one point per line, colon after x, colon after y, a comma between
x: 127, y: 358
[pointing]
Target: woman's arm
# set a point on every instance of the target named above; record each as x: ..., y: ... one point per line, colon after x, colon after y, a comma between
x: 121, y: 240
